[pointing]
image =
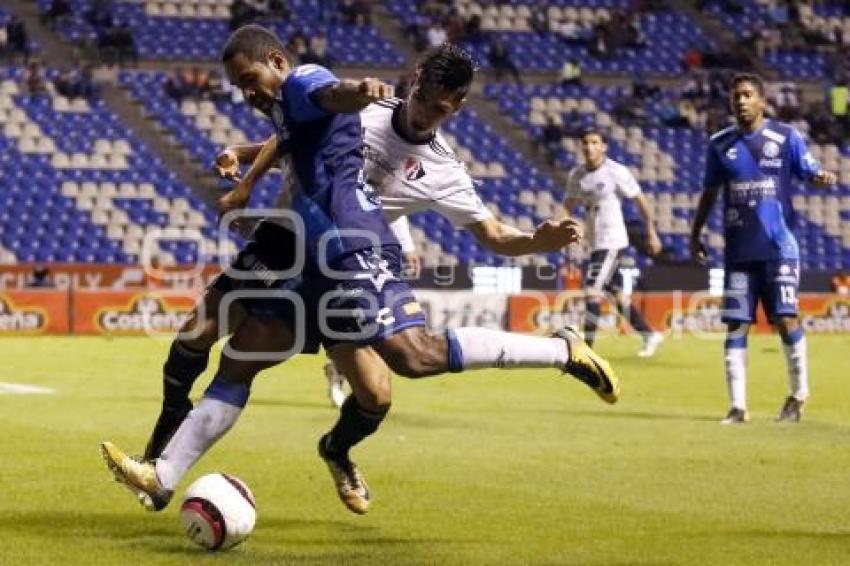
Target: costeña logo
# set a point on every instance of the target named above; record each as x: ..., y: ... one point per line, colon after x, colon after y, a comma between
x: 147, y: 314
x: 703, y: 315
x: 13, y: 319
x: 835, y: 318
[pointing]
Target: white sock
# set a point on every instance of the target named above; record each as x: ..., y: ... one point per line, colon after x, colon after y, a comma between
x: 485, y: 348
x: 736, y: 376
x: 798, y: 368
x: 202, y: 428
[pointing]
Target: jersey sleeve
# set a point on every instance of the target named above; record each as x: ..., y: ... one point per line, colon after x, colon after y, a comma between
x: 803, y: 164
x: 299, y: 88
x: 627, y: 185
x: 401, y: 229
x: 462, y: 207
x: 713, y: 176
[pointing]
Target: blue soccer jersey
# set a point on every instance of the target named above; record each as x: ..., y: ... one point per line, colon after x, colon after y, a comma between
x: 755, y: 172
x: 341, y: 212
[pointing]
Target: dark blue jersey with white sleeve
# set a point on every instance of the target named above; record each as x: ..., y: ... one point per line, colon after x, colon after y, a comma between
x: 755, y: 172
x: 324, y: 153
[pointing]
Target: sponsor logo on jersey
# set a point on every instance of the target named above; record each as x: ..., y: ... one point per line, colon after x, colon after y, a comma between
x: 413, y: 169
x: 770, y: 149
x: 732, y: 153
x: 145, y: 313
x: 770, y: 162
x: 15, y: 319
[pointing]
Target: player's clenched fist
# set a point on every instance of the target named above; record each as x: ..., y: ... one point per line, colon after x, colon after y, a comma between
x: 372, y: 90
x: 552, y: 235
x: 227, y: 164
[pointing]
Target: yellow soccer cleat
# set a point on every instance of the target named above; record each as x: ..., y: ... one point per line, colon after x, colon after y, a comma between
x: 589, y: 367
x: 138, y: 477
x: 350, y: 485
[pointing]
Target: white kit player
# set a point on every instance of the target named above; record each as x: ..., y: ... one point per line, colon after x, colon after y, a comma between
x: 600, y: 184
x: 413, y: 169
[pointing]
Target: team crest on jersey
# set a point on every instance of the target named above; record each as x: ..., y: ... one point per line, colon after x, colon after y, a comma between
x: 413, y: 170
x: 770, y: 149
x: 732, y: 153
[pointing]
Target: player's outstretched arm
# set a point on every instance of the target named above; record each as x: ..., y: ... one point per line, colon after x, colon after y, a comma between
x: 240, y: 194
x: 227, y: 162
x: 706, y: 202
x: 504, y: 239
x: 349, y: 96
x: 653, y: 242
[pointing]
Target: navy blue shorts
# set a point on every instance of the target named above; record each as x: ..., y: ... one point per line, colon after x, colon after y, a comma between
x: 602, y: 271
x: 774, y: 283
x: 271, y: 251
x: 365, y: 300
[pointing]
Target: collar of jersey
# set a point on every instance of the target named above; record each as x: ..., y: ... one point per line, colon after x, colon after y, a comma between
x: 400, y: 131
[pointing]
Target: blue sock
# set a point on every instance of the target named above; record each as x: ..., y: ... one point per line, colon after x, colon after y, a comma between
x: 455, y: 361
x: 235, y: 394
x: 793, y: 337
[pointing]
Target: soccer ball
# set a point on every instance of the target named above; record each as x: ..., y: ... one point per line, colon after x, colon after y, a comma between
x: 218, y: 511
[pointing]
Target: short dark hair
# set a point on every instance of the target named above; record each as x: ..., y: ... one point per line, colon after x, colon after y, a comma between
x: 446, y: 66
x: 751, y: 78
x: 253, y: 41
x: 593, y: 132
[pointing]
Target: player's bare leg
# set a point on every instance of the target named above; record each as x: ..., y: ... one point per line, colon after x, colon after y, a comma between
x: 418, y: 353
x: 217, y: 411
x: 651, y: 339
x: 187, y: 360
x: 360, y: 416
x: 794, y: 346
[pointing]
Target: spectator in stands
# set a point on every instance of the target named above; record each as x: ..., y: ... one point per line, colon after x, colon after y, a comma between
x: 838, y: 101
x: 296, y: 45
x: 436, y: 35
x: 279, y: 9
x: 550, y: 138
x: 455, y: 27
x: 571, y: 73
x: 317, y: 51
x: 473, y: 29
x: 99, y: 15
x: 174, y: 86
x: 787, y: 102
x: 56, y: 12
x: 841, y: 283
x: 598, y: 46
x: 692, y: 59
x: 40, y: 278
x: 4, y: 43
x: 570, y: 32
x: 217, y: 90
x: 501, y: 60
x: 35, y: 79
x: 241, y: 13
x: 641, y: 89
x: 16, y: 33
x: 540, y: 18
x: 355, y: 12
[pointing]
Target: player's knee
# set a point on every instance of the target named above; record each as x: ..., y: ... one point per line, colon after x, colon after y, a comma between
x: 420, y: 355
x: 377, y: 398
x: 787, y: 324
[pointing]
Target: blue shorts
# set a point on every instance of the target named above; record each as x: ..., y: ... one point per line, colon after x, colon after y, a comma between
x: 364, y: 301
x: 775, y: 283
x: 272, y: 248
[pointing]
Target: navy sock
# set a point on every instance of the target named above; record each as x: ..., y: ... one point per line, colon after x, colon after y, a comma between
x: 355, y: 423
x: 181, y: 369
x: 591, y: 321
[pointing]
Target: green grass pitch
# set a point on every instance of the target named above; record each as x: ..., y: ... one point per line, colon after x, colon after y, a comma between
x: 492, y: 467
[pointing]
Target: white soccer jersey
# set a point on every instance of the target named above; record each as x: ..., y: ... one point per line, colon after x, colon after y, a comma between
x: 601, y: 192
x: 412, y: 177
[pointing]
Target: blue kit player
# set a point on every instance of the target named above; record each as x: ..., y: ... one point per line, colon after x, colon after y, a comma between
x: 350, y: 290
x: 752, y: 162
